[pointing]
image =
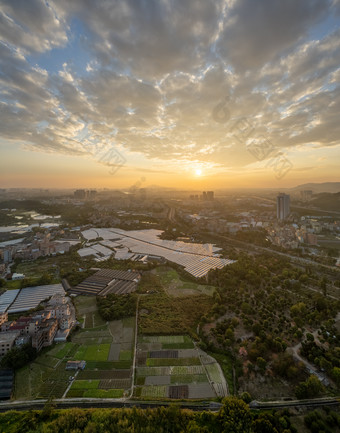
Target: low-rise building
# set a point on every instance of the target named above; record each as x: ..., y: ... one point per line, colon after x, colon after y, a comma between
x: 75, y: 365
x: 7, y: 340
x: 45, y: 334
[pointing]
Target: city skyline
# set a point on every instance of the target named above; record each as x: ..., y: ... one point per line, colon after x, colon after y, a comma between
x: 211, y: 95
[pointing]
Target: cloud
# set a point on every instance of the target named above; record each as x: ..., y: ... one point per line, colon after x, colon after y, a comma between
x: 257, y: 32
x: 31, y: 25
x: 156, y: 71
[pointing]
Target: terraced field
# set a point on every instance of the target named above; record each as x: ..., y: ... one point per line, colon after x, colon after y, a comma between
x: 169, y: 366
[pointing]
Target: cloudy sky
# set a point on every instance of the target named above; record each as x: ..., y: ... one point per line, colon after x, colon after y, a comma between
x: 185, y: 93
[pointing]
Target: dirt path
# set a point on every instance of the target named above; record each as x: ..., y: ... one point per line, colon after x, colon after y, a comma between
x: 310, y: 367
x: 134, y: 352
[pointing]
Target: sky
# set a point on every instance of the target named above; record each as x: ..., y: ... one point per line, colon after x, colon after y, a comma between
x: 178, y: 93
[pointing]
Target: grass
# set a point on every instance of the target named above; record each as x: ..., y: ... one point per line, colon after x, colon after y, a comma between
x: 97, y: 352
x: 159, y: 362
x: 101, y: 393
x: 176, y: 286
x: 85, y: 384
x: 16, y: 284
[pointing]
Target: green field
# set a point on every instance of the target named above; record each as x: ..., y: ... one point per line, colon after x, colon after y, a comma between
x: 85, y: 384
x: 93, y: 352
x: 176, y: 286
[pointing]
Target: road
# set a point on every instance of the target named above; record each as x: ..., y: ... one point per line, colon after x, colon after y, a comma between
x: 119, y: 403
x: 134, y: 351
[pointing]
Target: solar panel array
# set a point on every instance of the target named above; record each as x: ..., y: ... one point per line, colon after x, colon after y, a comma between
x: 7, y: 298
x: 196, y: 258
x: 30, y: 297
x: 108, y: 281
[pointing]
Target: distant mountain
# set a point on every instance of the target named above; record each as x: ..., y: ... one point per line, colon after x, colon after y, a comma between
x: 327, y: 201
x: 317, y: 188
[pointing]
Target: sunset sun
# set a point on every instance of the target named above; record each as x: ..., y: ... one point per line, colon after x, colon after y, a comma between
x: 198, y: 172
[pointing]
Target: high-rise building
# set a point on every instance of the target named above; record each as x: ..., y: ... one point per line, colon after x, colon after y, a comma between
x: 80, y: 194
x: 207, y: 196
x: 92, y: 194
x: 282, y: 206
x: 210, y: 195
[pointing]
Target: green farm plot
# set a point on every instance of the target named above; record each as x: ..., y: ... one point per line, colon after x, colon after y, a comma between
x: 102, y: 393
x: 125, y: 355
x: 93, y: 352
x: 154, y: 391
x: 159, y: 362
x: 189, y: 378
x: 169, y: 341
x: 85, y: 384
x: 187, y: 369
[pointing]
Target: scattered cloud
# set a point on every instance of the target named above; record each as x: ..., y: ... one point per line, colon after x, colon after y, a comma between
x: 157, y: 71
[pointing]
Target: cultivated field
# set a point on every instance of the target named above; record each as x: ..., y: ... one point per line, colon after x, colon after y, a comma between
x: 169, y: 366
x: 106, y: 348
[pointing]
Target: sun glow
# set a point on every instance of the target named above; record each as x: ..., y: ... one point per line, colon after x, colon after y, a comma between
x: 198, y: 172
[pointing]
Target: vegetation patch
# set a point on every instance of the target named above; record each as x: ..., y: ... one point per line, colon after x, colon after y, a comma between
x: 102, y: 393
x: 188, y: 378
x: 85, y: 384
x: 125, y: 355
x: 115, y: 307
x: 93, y: 352
x: 168, y: 316
x: 154, y: 391
x: 159, y: 362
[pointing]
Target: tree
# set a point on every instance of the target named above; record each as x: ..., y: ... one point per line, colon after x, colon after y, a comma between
x: 261, y: 363
x: 336, y: 375
x: 311, y: 388
x: 234, y: 416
